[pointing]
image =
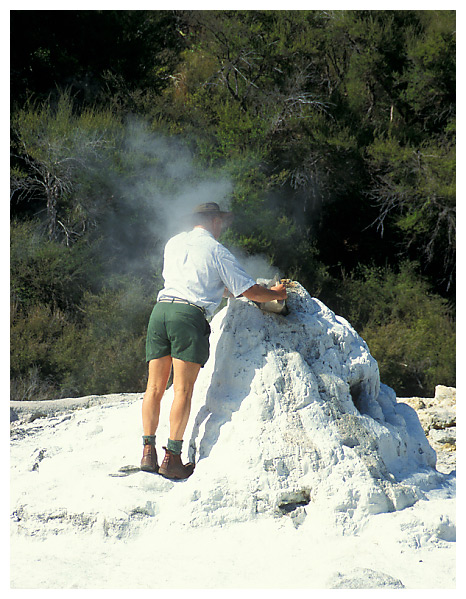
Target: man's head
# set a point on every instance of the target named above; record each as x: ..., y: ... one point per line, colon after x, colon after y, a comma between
x: 210, y: 217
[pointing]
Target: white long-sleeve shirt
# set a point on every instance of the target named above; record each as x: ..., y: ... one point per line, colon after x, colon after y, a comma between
x: 197, y: 268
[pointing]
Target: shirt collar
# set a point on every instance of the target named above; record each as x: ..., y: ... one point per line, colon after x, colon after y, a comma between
x: 201, y: 231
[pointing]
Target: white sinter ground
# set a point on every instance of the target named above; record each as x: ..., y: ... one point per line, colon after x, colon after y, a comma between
x: 308, y: 475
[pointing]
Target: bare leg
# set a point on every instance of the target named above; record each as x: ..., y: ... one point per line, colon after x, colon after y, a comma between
x: 184, y: 377
x: 159, y: 372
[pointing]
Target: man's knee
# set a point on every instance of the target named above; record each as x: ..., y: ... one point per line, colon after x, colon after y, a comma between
x: 154, y: 388
x: 183, y: 387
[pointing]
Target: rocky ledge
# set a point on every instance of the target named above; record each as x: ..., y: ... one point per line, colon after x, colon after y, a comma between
x: 437, y: 416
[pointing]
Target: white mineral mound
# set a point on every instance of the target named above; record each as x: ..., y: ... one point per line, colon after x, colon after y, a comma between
x: 291, y: 411
x: 292, y: 434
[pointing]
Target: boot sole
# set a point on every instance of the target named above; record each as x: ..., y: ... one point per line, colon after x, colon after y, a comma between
x: 165, y: 474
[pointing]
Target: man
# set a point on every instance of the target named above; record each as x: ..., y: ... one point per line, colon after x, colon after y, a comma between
x: 197, y: 270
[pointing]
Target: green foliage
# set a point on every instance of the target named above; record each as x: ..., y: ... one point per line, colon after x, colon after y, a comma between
x: 415, y: 191
x: 121, y: 58
x: 32, y: 338
x: 47, y: 272
x: 428, y: 81
x: 105, y: 354
x: 70, y: 334
x: 59, y: 156
x: 409, y: 330
x: 336, y: 130
x: 55, y: 355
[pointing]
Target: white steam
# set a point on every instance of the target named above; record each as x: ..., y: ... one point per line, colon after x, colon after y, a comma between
x: 258, y: 266
x: 160, y: 178
x: 166, y: 181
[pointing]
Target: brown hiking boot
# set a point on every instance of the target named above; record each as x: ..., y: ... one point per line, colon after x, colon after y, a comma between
x: 172, y: 466
x: 149, y: 459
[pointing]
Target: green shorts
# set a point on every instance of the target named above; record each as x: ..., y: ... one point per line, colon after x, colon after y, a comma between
x: 178, y: 330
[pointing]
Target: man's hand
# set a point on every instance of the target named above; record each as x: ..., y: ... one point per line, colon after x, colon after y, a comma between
x: 281, y: 289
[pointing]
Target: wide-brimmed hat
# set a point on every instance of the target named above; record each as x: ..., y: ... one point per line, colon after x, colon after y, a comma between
x: 210, y: 208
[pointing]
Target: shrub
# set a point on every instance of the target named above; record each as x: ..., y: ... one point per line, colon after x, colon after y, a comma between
x: 107, y: 353
x: 33, y: 336
x: 410, y: 331
x: 46, y: 272
x: 55, y: 354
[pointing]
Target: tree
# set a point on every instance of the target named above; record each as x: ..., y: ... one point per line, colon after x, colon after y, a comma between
x: 409, y: 330
x: 414, y: 190
x: 335, y: 132
x: 56, y: 155
x: 103, y: 56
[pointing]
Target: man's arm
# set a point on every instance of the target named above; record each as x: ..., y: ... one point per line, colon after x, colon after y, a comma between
x: 257, y: 293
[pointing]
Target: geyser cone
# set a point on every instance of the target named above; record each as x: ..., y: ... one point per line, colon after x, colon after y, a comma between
x: 290, y: 411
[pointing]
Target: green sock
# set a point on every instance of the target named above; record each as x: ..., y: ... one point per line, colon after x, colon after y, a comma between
x: 174, y: 446
x: 148, y: 439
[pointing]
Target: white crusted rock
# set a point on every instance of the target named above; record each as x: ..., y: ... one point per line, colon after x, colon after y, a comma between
x: 290, y: 411
x: 288, y: 417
